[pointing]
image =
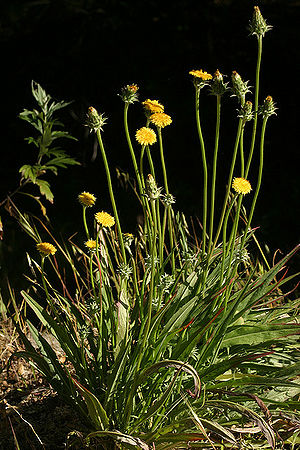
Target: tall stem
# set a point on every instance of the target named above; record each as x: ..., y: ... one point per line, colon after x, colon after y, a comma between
x: 84, y: 222
x: 161, y: 149
x: 236, y: 146
x: 259, y: 53
x: 204, y: 164
x: 259, y: 178
x: 214, y: 173
x: 137, y: 174
x: 111, y: 193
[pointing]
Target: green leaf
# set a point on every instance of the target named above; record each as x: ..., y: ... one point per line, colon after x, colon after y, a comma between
x: 62, y: 161
x: 172, y: 364
x: 62, y: 134
x: 97, y: 413
x: 125, y: 440
x: 261, y: 422
x: 40, y: 95
x: 30, y: 172
x: 45, y: 189
x: 257, y: 334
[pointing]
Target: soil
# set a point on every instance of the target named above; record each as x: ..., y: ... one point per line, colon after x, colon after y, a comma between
x: 31, y: 414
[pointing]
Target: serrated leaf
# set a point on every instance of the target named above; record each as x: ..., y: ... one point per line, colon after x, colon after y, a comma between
x: 62, y: 134
x: 45, y: 189
x: 62, y: 161
x: 29, y: 171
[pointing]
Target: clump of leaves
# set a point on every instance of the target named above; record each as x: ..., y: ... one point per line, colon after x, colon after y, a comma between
x: 50, y: 157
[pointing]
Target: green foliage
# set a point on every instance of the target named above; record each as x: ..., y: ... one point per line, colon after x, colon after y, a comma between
x: 171, y: 337
x: 49, y: 158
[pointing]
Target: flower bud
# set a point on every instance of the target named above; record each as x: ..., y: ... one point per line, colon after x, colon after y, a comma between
x: 258, y: 25
x: 129, y: 93
x: 218, y: 87
x: 124, y: 271
x: 245, y: 112
x: 152, y: 190
x: 268, y: 108
x: 239, y: 87
x: 94, y: 121
x: 168, y: 199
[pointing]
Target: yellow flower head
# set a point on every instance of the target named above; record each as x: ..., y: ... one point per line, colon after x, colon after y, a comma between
x: 90, y: 244
x: 86, y: 199
x: 241, y: 186
x: 200, y: 74
x: 161, y: 120
x: 145, y: 136
x: 105, y: 219
x: 153, y: 106
x: 46, y: 249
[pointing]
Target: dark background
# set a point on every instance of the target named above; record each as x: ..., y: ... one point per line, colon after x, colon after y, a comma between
x: 87, y: 50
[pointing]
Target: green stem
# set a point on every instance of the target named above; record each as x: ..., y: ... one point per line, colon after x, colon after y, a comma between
x: 161, y: 149
x: 84, y: 223
x: 258, y: 64
x: 224, y: 233
x: 260, y: 171
x: 204, y: 164
x: 150, y: 162
x: 146, y: 328
x: 214, y: 173
x: 137, y: 174
x: 236, y: 146
x: 92, y: 276
x: 242, y: 153
x: 111, y: 193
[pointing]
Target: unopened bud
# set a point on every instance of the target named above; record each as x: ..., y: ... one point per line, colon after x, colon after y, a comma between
x: 258, y: 25
x: 152, y: 190
x: 94, y: 121
x: 245, y: 112
x: 239, y: 87
x: 129, y: 93
x: 268, y: 107
x: 218, y: 87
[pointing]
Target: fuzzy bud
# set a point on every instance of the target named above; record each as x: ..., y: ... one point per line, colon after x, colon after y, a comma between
x: 239, y: 87
x: 94, y: 121
x: 152, y: 190
x: 268, y: 108
x: 258, y: 26
x: 245, y: 112
x: 218, y: 87
x: 129, y: 93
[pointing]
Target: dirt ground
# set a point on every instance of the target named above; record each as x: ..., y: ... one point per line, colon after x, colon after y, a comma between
x: 31, y: 414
